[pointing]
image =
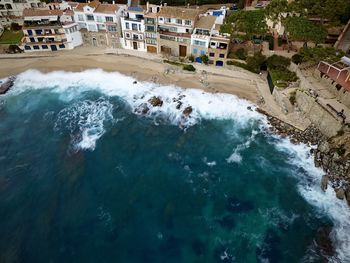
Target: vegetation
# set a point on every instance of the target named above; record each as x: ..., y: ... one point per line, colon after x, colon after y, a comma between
x: 301, y: 29
x: 189, y: 67
x: 336, y: 11
x: 292, y: 97
x: 282, y: 77
x: 275, y: 62
x: 205, y: 59
x: 191, y: 2
x: 191, y: 58
x: 315, y: 55
x: 269, y: 38
x: 253, y: 64
x: 11, y: 37
x: 250, y: 22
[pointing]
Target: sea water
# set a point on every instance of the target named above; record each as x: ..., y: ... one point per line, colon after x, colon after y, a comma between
x: 85, y: 178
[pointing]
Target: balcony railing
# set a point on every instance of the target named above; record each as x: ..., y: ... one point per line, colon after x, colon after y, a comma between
x: 54, y: 24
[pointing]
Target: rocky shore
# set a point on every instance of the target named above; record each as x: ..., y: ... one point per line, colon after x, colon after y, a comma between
x: 331, y: 154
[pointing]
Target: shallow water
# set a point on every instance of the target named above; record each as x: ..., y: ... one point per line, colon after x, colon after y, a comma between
x: 83, y: 178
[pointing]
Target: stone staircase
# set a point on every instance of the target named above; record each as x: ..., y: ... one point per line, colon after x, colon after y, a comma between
x: 343, y: 41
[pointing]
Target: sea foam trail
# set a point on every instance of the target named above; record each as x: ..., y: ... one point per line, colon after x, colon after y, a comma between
x: 326, y: 202
x: 205, y: 106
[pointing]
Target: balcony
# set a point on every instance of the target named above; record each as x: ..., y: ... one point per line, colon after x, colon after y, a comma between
x: 42, y: 24
x: 175, y: 34
x: 62, y: 41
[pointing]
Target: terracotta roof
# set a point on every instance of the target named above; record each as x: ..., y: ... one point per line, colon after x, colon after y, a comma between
x: 179, y: 12
x: 107, y: 9
x: 73, y: 4
x: 94, y: 4
x: 42, y: 12
x: 69, y: 12
x: 206, y: 22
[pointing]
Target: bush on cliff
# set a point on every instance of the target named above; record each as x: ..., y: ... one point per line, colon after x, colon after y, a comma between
x: 276, y: 61
x: 189, y: 68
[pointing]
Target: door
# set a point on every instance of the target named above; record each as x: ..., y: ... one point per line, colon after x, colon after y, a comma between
x: 183, y: 51
x: 219, y: 63
x: 151, y: 49
x: 134, y: 44
x: 53, y: 48
x: 94, y: 42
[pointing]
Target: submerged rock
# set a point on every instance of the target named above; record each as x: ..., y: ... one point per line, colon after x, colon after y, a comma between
x: 324, y: 182
x: 142, y: 109
x: 324, y: 243
x: 156, y: 101
x: 340, y: 193
x: 227, y: 222
x: 235, y: 205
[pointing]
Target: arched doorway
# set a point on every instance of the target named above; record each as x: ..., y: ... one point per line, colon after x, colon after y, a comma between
x: 219, y: 63
x: 94, y: 42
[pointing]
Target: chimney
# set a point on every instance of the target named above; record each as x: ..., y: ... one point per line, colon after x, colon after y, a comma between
x: 113, y: 2
x: 165, y: 4
x: 147, y: 6
x: 188, y: 5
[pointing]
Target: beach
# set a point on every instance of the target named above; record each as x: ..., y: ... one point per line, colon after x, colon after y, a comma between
x: 242, y: 84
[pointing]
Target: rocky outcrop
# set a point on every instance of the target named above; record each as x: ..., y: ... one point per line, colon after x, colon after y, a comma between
x: 156, y: 101
x: 4, y: 87
x: 331, y: 154
x: 187, y: 111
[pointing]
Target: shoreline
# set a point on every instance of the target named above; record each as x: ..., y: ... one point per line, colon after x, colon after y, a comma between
x: 139, y: 68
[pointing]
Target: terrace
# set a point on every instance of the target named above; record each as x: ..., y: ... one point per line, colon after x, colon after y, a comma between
x: 42, y: 24
x: 339, y: 72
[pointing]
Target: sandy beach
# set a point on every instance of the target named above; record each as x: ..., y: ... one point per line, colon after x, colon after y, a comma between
x: 208, y: 78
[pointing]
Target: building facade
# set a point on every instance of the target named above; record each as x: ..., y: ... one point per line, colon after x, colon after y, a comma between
x: 45, y: 31
x: 133, y: 28
x: 99, y: 23
x: 151, y: 28
x: 175, y: 27
x: 12, y: 10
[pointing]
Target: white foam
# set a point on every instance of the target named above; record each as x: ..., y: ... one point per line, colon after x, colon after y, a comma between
x: 86, y: 117
x: 236, y: 157
x: 326, y: 202
x: 205, y: 105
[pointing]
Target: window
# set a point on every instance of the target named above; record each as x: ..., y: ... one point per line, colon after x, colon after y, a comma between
x: 188, y: 22
x: 99, y: 19
x: 62, y: 46
x: 38, y: 32
x: 161, y: 19
x: 80, y: 18
x: 112, y: 28
x: 90, y: 18
x: 211, y: 54
x: 179, y: 21
x: 36, y: 47
x: 134, y: 27
x: 222, y: 55
x: 199, y: 43
x: 127, y: 35
x: 92, y: 28
x: 27, y: 48
x: 202, y: 52
x: 150, y: 28
x: 44, y: 47
x: 139, y: 27
x: 195, y: 51
x: 100, y: 26
x: 136, y: 37
x: 167, y: 20
x: 109, y: 18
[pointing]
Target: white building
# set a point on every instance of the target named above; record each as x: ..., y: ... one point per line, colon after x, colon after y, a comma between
x: 11, y: 10
x: 49, y: 30
x: 99, y: 23
x: 133, y: 28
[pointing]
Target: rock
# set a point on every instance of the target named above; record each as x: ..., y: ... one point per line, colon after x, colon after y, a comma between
x: 187, y: 111
x: 178, y: 105
x: 142, y: 109
x: 324, y: 147
x: 324, y: 243
x: 340, y: 193
x: 347, y: 195
x: 324, y: 182
x: 156, y: 101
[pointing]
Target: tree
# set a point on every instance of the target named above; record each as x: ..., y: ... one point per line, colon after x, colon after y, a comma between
x: 301, y: 29
x: 333, y: 10
x: 275, y: 10
x: 249, y: 22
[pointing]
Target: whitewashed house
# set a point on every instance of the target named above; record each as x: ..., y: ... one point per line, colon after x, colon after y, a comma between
x: 49, y: 30
x: 133, y: 29
x: 99, y: 23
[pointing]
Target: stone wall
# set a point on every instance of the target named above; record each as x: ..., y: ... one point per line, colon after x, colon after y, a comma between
x: 319, y: 116
x: 281, y: 96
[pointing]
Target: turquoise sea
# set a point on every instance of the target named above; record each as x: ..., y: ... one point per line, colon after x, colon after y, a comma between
x: 85, y: 177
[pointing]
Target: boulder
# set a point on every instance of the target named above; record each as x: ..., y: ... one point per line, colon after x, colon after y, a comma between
x: 347, y: 195
x: 187, y: 111
x: 142, y: 109
x: 178, y: 105
x: 340, y: 193
x: 156, y: 101
x: 324, y: 182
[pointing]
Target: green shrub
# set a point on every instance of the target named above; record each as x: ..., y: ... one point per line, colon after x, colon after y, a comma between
x: 191, y: 58
x: 276, y: 61
x: 269, y: 38
x: 189, y: 67
x: 297, y: 59
x: 256, y: 62
x: 241, y: 53
x: 172, y: 62
x: 292, y: 97
x: 282, y: 76
x: 319, y: 53
x: 205, y: 59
